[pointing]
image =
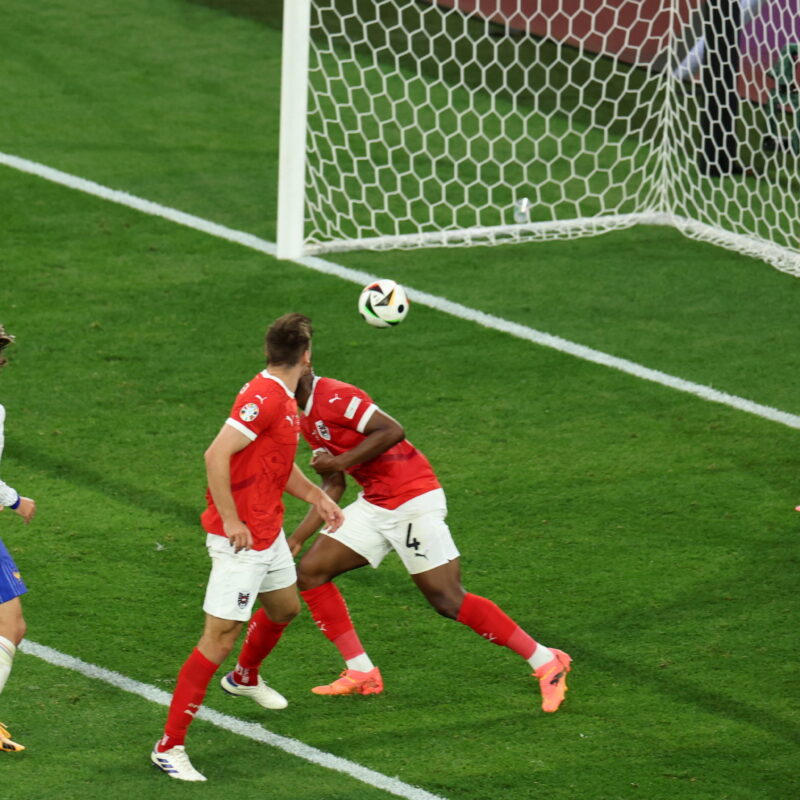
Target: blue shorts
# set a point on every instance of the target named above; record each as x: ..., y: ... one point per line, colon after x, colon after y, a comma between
x: 11, y: 583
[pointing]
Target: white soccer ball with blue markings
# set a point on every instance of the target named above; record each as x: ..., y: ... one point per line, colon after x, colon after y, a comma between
x: 383, y: 304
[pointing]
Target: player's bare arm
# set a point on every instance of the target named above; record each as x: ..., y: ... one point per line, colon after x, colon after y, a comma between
x: 301, y: 487
x: 333, y: 484
x: 382, y: 432
x: 218, y: 469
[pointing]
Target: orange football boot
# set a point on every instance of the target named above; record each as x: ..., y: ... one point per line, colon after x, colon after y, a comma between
x: 351, y: 681
x: 553, y: 680
x: 6, y: 744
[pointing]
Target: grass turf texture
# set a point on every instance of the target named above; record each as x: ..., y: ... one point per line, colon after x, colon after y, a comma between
x: 648, y: 533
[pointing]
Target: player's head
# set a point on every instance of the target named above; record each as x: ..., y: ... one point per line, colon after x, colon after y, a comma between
x: 5, y: 340
x: 304, y: 386
x: 288, y: 341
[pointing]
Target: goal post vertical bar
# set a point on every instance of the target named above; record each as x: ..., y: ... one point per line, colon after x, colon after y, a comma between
x: 294, y: 109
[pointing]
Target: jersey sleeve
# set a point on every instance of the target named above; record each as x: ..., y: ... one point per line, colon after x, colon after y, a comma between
x: 8, y: 496
x: 251, y: 413
x: 349, y: 407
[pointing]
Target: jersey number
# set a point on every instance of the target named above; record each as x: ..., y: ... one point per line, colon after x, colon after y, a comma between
x: 409, y: 541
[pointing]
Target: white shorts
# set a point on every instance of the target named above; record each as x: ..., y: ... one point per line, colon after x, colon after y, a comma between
x: 416, y: 530
x: 237, y: 579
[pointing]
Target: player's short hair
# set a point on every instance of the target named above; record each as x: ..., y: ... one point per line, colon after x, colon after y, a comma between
x: 5, y: 340
x: 287, y: 339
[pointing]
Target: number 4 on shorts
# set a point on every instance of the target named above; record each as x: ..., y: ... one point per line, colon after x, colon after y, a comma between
x: 409, y: 541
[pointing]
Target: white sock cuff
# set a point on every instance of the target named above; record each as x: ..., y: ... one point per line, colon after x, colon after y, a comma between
x: 7, y: 648
x: 362, y: 663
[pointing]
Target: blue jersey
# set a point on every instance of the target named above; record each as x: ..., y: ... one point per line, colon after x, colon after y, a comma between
x: 11, y: 583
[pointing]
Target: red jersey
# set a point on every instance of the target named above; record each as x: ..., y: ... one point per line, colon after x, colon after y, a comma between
x: 335, y: 417
x: 266, y: 413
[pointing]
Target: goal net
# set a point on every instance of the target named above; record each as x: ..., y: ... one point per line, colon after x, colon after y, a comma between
x: 464, y: 122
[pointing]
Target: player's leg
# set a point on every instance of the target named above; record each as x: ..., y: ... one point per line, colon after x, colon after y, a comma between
x: 277, y: 595
x: 231, y: 592
x: 326, y: 559
x: 354, y: 545
x: 425, y: 545
x: 550, y: 666
x: 12, y: 630
x: 216, y: 643
x: 278, y: 608
x: 442, y: 588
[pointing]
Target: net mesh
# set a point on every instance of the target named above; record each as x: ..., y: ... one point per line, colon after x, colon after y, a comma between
x: 485, y: 121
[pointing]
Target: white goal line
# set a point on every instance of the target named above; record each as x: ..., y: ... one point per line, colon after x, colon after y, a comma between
x: 423, y: 298
x: 250, y: 730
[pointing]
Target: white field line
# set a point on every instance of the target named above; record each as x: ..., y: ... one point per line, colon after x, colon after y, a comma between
x: 423, y: 298
x: 249, y: 730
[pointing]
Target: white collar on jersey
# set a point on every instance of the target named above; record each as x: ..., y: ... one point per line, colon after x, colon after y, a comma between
x: 307, y: 409
x: 266, y: 374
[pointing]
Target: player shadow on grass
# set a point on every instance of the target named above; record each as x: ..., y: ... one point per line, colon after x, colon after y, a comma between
x: 680, y: 678
x: 142, y: 497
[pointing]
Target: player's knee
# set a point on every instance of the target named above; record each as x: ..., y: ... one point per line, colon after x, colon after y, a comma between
x: 217, y: 645
x: 14, y: 628
x: 445, y: 604
x: 18, y: 630
x: 285, y: 615
x: 308, y: 577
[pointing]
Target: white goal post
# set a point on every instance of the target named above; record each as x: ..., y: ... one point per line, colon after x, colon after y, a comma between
x: 419, y: 123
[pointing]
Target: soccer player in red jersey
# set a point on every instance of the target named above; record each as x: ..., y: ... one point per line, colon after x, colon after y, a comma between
x: 401, y: 507
x: 249, y: 466
x: 12, y: 587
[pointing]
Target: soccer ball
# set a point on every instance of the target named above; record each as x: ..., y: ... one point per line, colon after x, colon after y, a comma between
x: 383, y: 304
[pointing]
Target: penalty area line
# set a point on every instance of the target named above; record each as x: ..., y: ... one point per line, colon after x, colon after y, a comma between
x: 423, y: 298
x: 249, y: 730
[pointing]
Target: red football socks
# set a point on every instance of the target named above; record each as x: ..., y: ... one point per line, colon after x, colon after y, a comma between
x: 329, y: 611
x: 193, y: 680
x: 262, y: 635
x: 491, y: 622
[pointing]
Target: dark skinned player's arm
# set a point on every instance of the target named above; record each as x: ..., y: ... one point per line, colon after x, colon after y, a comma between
x: 381, y: 433
x: 333, y: 484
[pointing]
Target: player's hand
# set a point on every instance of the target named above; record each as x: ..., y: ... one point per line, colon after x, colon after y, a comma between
x: 323, y: 462
x: 238, y: 535
x: 295, y: 545
x: 330, y: 512
x: 26, y: 508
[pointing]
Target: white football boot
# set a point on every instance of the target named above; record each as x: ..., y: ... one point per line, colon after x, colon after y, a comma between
x: 264, y: 695
x: 175, y: 762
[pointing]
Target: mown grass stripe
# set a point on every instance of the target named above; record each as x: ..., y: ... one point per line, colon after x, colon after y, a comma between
x: 423, y: 298
x: 249, y: 730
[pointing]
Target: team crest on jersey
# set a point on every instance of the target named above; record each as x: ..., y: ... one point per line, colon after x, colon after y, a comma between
x: 322, y: 430
x: 248, y: 412
x: 244, y: 597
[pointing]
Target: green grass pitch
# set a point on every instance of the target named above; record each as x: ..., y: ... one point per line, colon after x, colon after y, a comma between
x: 647, y: 532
